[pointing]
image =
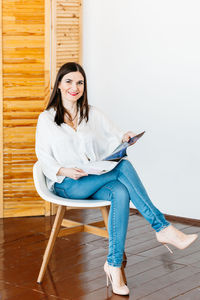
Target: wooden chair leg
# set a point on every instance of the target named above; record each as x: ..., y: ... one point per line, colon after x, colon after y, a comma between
x: 105, y: 213
x: 51, y: 242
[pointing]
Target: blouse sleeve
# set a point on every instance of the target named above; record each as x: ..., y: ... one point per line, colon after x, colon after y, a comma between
x: 111, y: 128
x: 110, y: 133
x: 43, y: 150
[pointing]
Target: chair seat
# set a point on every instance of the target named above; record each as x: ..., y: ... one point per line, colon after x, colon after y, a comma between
x: 132, y: 205
x: 51, y: 197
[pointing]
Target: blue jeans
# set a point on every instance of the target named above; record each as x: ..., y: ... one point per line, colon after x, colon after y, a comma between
x: 119, y: 186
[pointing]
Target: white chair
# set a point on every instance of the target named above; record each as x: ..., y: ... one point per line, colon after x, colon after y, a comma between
x: 71, y: 227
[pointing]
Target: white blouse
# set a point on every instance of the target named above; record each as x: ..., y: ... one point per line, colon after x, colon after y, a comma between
x: 62, y: 146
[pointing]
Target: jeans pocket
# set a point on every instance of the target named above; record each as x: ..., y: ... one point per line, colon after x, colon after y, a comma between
x: 60, y: 192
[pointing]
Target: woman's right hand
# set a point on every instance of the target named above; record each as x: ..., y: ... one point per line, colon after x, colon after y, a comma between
x: 74, y: 173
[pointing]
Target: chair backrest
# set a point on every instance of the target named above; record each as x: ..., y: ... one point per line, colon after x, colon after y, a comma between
x: 39, y: 179
x: 46, y: 194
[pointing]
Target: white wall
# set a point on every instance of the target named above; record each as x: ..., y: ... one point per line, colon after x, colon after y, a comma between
x: 142, y: 60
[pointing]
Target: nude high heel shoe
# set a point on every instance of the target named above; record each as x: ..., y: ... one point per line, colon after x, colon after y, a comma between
x: 115, y: 277
x: 175, y: 237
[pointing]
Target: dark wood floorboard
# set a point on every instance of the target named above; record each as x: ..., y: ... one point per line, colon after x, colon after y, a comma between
x: 75, y: 271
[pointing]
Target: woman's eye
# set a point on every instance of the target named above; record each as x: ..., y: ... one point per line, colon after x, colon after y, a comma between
x: 81, y: 82
x: 68, y: 81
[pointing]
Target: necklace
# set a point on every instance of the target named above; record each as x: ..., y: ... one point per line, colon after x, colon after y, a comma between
x: 74, y: 116
x: 70, y: 122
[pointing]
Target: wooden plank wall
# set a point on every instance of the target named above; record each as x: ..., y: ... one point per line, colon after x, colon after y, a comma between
x: 24, y: 94
x: 67, y: 33
x: 66, y: 38
x: 26, y: 60
x: 1, y: 119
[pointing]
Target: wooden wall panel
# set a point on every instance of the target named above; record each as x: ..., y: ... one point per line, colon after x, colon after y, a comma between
x: 23, y: 99
x: 38, y: 36
x: 1, y: 119
x: 66, y: 43
x: 66, y: 33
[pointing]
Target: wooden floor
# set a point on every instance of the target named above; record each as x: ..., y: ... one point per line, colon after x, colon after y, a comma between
x: 76, y: 267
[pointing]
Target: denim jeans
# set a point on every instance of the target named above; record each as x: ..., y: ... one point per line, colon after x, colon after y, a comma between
x: 119, y: 186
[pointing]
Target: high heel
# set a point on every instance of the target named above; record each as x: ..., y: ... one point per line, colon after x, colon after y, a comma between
x: 167, y: 248
x: 114, y: 275
x: 171, y: 235
x: 107, y: 282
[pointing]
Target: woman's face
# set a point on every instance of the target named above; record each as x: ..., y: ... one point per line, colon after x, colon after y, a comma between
x: 72, y: 86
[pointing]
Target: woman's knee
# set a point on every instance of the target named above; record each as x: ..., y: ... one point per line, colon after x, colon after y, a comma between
x: 119, y: 191
x: 125, y: 164
x: 122, y: 198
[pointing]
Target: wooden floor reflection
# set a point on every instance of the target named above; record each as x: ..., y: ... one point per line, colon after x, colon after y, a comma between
x: 76, y: 271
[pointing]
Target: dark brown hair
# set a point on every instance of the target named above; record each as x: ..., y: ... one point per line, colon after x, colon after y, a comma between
x: 56, y: 99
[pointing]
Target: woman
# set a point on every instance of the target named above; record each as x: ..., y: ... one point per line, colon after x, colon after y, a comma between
x: 69, y: 134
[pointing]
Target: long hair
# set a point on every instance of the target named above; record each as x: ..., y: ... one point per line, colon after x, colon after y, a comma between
x: 56, y: 99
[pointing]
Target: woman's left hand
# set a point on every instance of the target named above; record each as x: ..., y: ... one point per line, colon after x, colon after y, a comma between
x: 127, y: 136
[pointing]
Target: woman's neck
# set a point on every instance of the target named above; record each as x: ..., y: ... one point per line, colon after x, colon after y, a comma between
x: 71, y: 107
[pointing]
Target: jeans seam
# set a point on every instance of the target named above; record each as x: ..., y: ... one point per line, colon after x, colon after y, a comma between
x: 120, y: 173
x: 114, y: 227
